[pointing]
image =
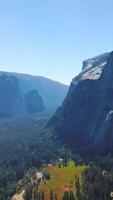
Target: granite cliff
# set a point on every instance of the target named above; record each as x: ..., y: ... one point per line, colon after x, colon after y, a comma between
x: 85, y: 119
x: 52, y: 92
x: 11, y: 98
x: 34, y: 102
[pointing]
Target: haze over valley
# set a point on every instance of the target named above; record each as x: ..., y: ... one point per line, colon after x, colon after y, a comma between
x: 56, y: 100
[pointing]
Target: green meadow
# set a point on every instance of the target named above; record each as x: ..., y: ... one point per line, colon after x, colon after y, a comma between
x: 62, y: 179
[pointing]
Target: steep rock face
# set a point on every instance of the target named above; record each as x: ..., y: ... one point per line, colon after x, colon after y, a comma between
x: 34, y: 102
x: 11, y: 99
x: 52, y: 92
x: 85, y: 119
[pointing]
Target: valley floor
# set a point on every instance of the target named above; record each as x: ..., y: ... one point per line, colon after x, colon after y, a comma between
x: 62, y: 179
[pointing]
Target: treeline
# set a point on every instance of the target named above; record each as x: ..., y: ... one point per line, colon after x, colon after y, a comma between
x: 96, y: 183
x: 94, y: 186
x: 23, y: 145
x: 32, y: 193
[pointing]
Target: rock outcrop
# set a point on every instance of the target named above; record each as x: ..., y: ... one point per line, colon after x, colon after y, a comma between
x: 52, y: 92
x: 85, y: 119
x: 34, y: 102
x: 11, y: 98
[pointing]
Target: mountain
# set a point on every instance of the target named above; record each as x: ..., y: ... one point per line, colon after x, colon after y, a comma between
x: 34, y: 102
x: 52, y: 92
x: 11, y: 98
x: 85, y: 119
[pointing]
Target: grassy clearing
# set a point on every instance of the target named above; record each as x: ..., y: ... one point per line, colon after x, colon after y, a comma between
x: 62, y: 179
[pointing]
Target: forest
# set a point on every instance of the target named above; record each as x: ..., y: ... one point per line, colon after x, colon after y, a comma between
x: 94, y: 183
x: 23, y: 145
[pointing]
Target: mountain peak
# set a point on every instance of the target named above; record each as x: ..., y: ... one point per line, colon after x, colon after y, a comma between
x: 95, y: 61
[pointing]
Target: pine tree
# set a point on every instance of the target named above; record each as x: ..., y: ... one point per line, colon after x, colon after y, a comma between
x: 78, y: 192
x: 51, y: 195
x: 28, y: 192
x: 56, y: 198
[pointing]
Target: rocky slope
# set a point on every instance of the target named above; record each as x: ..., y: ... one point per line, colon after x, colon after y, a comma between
x: 52, y: 92
x: 85, y: 119
x: 34, y: 102
x: 11, y: 98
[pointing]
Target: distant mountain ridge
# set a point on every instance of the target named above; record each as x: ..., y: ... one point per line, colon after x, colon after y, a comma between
x: 52, y: 92
x: 85, y: 119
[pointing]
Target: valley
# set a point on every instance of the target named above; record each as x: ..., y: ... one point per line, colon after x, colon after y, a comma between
x: 56, y: 100
x: 62, y: 155
x: 61, y: 178
x: 71, y: 181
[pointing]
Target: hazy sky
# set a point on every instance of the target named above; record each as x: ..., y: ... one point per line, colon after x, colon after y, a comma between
x: 52, y: 37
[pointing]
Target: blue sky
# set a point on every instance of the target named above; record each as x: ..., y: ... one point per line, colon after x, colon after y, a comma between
x: 52, y: 37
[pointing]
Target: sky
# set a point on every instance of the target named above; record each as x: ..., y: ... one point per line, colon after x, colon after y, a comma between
x: 51, y: 38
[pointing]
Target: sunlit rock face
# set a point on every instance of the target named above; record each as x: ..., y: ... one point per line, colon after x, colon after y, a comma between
x: 11, y: 99
x: 85, y: 119
x: 34, y: 102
